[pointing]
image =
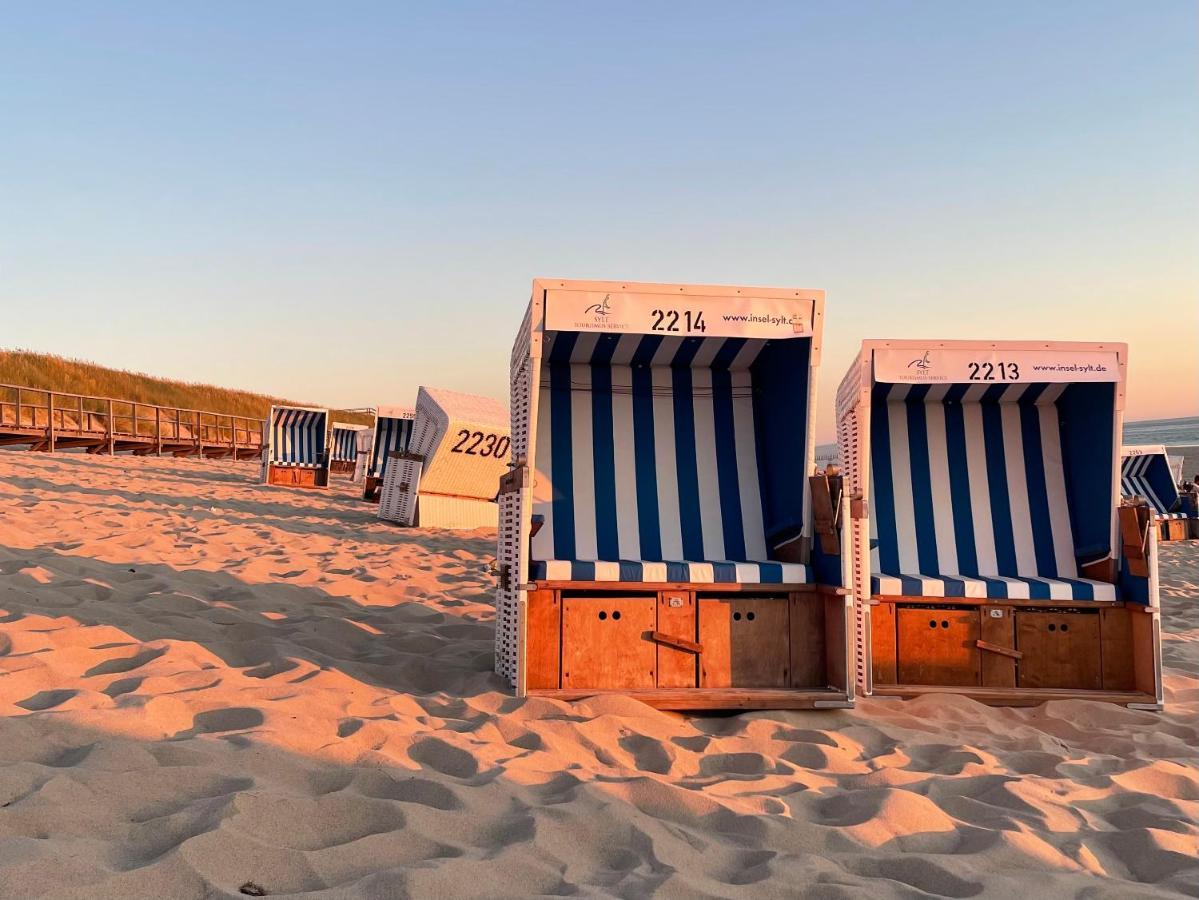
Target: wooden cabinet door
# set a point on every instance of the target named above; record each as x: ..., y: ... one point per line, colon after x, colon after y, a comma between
x: 937, y: 646
x: 676, y: 617
x: 606, y: 645
x: 1061, y: 650
x: 746, y: 642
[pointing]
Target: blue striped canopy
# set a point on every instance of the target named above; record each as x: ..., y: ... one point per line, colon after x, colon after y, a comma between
x: 670, y: 459
x: 987, y: 491
x: 1148, y: 475
x: 345, y: 444
x: 297, y: 436
x: 391, y: 436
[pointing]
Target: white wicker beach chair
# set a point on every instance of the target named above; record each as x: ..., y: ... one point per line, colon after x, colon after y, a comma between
x: 991, y: 554
x: 458, y: 451
x: 658, y: 535
x: 297, y: 447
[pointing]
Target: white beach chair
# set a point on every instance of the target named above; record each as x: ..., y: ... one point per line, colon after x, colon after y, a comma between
x: 657, y: 534
x: 343, y: 456
x: 992, y: 557
x: 363, y: 441
x: 391, y: 434
x: 297, y: 447
x: 1146, y: 472
x: 447, y: 479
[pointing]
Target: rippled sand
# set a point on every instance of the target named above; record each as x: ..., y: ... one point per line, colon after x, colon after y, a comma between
x: 212, y: 687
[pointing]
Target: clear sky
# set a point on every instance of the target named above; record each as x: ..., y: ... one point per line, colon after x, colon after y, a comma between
x: 336, y: 202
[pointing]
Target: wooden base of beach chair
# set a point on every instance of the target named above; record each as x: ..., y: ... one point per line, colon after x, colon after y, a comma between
x: 341, y: 467
x: 1174, y: 530
x: 371, y: 488
x: 295, y: 476
x: 1013, y: 653
x: 689, y: 646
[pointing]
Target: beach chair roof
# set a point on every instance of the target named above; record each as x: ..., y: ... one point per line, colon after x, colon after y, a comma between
x: 395, y: 411
x: 465, y: 407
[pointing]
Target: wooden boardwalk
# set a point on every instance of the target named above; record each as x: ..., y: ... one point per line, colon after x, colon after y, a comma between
x: 52, y: 420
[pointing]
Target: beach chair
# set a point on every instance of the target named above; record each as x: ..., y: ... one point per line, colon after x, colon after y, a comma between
x: 992, y: 556
x: 660, y: 536
x: 343, y: 456
x: 297, y: 453
x: 391, y: 434
x: 1145, y: 472
x: 447, y: 478
x: 363, y: 441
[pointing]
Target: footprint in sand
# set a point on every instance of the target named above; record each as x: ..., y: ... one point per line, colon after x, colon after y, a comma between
x: 125, y: 663
x: 43, y: 700
x: 444, y: 758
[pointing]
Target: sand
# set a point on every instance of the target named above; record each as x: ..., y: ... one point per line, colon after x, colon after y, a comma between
x: 210, y: 687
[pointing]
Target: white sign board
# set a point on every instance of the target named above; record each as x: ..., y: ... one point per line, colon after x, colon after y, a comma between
x: 993, y: 366
x: 682, y: 316
x: 1144, y: 450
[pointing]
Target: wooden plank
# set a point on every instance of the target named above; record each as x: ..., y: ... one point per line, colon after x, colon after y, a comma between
x: 1115, y: 641
x: 1010, y: 604
x: 677, y: 616
x: 823, y: 514
x: 937, y: 646
x: 677, y: 586
x: 543, y: 640
x: 809, y: 668
x: 604, y: 643
x: 882, y: 643
x: 1145, y: 655
x: 1015, y: 696
x: 997, y: 668
x: 1132, y: 535
x: 1061, y: 650
x: 746, y: 642
x: 715, y: 698
x: 835, y: 643
x: 662, y: 639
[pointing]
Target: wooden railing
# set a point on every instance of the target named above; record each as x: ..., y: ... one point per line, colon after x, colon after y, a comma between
x: 107, y: 424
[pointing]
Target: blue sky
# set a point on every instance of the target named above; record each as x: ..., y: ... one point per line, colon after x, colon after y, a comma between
x: 338, y: 202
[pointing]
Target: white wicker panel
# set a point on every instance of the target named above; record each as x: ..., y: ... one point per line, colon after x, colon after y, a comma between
x: 508, y: 593
x: 850, y: 442
x: 397, y: 498
x: 441, y: 511
x: 364, y: 439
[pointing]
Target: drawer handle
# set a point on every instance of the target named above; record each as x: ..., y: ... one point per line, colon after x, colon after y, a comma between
x: 678, y: 643
x: 995, y: 648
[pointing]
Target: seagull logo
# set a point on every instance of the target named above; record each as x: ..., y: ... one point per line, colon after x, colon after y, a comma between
x: 923, y: 363
x: 600, y: 309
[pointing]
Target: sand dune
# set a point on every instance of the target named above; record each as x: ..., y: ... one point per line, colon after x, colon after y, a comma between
x: 213, y: 689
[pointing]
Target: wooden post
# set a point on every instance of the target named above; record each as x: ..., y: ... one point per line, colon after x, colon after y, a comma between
x: 18, y: 407
x: 199, y: 435
x: 233, y: 434
x: 79, y: 417
x: 50, y: 422
x: 112, y: 427
x: 158, y: 430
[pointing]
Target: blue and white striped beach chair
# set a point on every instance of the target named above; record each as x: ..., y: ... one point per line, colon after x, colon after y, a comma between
x: 989, y: 546
x: 392, y: 434
x: 662, y: 445
x: 1145, y: 472
x: 297, y: 447
x: 343, y: 444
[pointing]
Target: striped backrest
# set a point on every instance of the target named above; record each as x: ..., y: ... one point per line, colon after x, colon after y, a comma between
x: 392, y: 435
x: 663, y: 448
x: 1148, y: 475
x: 345, y: 443
x: 297, y: 436
x: 971, y: 480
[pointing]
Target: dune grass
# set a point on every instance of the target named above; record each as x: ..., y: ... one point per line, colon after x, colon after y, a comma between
x: 56, y: 373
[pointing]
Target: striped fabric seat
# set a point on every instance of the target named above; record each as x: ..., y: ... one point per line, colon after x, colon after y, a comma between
x: 345, y: 444
x: 391, y: 436
x: 1148, y: 475
x: 970, y: 493
x: 653, y: 462
x: 298, y: 438
x: 724, y: 572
